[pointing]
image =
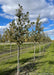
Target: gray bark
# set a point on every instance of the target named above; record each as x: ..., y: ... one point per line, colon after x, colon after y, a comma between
x: 10, y: 48
x: 18, y: 65
x: 34, y: 51
x: 39, y: 48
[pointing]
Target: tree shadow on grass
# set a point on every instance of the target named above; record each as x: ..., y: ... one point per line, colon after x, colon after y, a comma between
x: 30, y: 67
x: 7, y: 72
x: 24, y: 60
x: 52, y: 51
x: 51, y: 62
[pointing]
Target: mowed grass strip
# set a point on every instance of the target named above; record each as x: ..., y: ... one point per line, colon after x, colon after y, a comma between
x: 10, y: 65
x: 4, y: 48
x: 6, y: 55
x: 46, y: 63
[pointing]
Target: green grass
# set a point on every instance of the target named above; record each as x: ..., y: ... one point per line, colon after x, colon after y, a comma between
x: 44, y: 62
x: 6, y: 47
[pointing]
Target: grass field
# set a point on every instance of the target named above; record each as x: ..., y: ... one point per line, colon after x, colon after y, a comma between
x: 44, y: 62
x: 5, y: 47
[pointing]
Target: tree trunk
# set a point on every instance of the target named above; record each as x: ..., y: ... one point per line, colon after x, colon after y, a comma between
x: 34, y: 51
x: 39, y: 49
x: 10, y: 48
x: 4, y: 46
x: 18, y: 65
x: 43, y: 48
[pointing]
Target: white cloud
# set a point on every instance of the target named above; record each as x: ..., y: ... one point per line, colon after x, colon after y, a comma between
x: 3, y: 27
x: 49, y: 27
x: 50, y: 32
x: 35, y: 7
x: 50, y: 0
x: 7, y: 16
x: 44, y: 20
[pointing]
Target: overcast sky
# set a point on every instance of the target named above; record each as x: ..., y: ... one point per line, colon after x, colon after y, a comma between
x: 35, y: 7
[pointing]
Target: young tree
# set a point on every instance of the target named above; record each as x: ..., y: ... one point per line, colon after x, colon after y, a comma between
x: 33, y: 37
x: 20, y: 27
x: 10, y: 38
x: 39, y: 30
x: 36, y: 34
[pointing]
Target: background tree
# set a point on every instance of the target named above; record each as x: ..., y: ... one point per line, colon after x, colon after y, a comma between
x: 0, y: 38
x: 38, y: 29
x: 9, y: 36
